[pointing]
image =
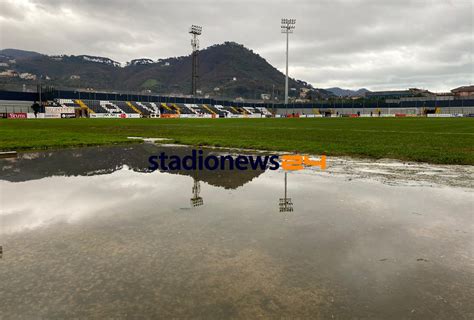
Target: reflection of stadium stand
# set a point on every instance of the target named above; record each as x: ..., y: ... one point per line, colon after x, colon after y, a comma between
x: 285, y: 203
x: 104, y: 160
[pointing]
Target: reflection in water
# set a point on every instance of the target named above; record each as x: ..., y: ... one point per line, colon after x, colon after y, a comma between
x: 90, y: 233
x: 285, y: 203
x: 196, y: 200
x: 105, y: 160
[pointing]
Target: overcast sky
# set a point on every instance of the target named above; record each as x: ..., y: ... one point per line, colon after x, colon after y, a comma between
x: 376, y: 44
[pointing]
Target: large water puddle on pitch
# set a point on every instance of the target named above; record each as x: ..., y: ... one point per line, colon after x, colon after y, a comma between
x: 89, y: 233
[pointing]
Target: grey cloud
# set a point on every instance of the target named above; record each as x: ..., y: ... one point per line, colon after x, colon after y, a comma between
x: 361, y: 43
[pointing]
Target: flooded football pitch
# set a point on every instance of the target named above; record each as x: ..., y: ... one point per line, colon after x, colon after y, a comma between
x: 91, y: 233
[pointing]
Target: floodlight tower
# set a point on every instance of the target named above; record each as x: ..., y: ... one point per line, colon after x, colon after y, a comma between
x: 287, y: 26
x: 195, y: 31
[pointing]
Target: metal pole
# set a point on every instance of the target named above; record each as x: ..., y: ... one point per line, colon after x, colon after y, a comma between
x: 193, y: 86
x: 39, y: 91
x: 286, y: 79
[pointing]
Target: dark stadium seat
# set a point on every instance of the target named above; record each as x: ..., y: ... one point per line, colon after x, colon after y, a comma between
x: 183, y: 109
x: 221, y: 113
x: 166, y: 108
x: 67, y: 103
x: 144, y: 109
x: 122, y: 105
x: 232, y: 110
x: 198, y: 109
x: 95, y: 106
x: 205, y: 109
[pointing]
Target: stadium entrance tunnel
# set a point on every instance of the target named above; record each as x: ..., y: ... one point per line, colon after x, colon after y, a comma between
x: 110, y: 238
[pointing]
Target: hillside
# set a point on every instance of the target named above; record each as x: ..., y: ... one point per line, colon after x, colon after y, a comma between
x: 347, y: 92
x: 226, y: 70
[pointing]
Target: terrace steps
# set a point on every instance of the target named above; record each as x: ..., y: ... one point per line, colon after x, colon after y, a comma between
x: 84, y: 106
x: 134, y: 108
x: 208, y: 109
x: 174, y: 105
x: 164, y: 105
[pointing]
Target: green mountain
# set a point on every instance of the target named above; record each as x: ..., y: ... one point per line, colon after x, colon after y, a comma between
x: 347, y: 92
x: 226, y: 70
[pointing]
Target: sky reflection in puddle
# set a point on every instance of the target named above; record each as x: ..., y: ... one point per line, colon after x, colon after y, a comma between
x: 90, y: 233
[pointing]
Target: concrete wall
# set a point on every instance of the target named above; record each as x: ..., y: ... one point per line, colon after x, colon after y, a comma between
x: 7, y: 106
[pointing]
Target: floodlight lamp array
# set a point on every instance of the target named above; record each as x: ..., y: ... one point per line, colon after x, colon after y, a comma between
x: 288, y: 21
x: 287, y: 25
x: 195, y: 29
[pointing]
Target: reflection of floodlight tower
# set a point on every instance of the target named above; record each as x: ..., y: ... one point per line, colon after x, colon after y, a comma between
x: 196, y: 200
x: 287, y: 26
x: 285, y: 203
x: 195, y: 31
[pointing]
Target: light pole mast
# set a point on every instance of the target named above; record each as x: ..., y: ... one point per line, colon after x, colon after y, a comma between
x: 287, y: 26
x: 195, y: 31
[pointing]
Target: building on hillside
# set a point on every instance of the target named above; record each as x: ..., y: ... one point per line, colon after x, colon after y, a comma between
x: 304, y: 92
x: 27, y: 76
x: 8, y: 73
x: 464, y: 91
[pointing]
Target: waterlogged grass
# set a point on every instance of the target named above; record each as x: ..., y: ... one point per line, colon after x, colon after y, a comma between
x: 448, y: 141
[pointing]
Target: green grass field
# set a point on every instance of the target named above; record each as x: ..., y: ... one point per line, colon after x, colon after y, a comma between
x: 435, y: 140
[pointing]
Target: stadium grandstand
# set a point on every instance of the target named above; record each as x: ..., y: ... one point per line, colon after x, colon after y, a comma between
x: 69, y: 104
